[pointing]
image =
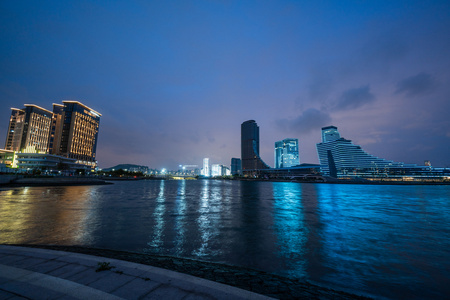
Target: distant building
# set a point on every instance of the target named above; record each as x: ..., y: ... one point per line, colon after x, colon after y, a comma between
x: 219, y: 170
x: 191, y: 170
x: 286, y: 153
x: 340, y: 158
x: 329, y: 134
x: 205, y: 171
x: 251, y: 161
x: 236, y: 166
x: 216, y: 170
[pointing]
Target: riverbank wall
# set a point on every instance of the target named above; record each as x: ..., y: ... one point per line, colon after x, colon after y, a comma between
x: 15, y: 181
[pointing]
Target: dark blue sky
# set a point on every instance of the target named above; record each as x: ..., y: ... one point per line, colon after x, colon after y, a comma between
x: 175, y: 79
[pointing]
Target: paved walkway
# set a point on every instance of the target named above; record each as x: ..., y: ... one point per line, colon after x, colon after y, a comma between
x: 31, y: 273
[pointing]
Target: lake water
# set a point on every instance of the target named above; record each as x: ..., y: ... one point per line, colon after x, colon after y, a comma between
x: 387, y: 241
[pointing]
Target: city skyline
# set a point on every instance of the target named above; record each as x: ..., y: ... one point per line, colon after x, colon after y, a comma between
x: 175, y: 80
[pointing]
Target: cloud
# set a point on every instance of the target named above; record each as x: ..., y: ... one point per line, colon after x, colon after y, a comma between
x: 419, y: 84
x: 309, y: 120
x: 354, y: 98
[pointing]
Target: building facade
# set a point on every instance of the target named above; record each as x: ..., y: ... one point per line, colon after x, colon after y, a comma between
x: 339, y: 157
x: 54, y: 143
x: 29, y: 129
x: 71, y: 131
x: 205, y: 171
x: 12, y: 127
x: 236, y: 166
x: 286, y: 153
x: 79, y: 133
x: 251, y: 161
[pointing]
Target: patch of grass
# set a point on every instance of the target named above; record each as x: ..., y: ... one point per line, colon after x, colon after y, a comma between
x: 103, y: 266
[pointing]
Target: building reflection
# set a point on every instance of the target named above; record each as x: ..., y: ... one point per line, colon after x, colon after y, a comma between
x: 156, y: 241
x: 314, y: 244
x: 180, y: 219
x: 41, y: 215
x: 289, y: 226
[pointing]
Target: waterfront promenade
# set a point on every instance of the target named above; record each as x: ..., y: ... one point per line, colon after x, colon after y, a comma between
x: 31, y: 273
x: 42, y: 273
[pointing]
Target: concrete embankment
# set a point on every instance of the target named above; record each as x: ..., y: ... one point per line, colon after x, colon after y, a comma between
x: 259, y: 282
x: 50, y: 181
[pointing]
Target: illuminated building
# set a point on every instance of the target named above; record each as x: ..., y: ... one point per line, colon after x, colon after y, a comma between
x: 56, y: 128
x: 15, y: 114
x: 329, y: 134
x: 216, y: 170
x: 71, y: 131
x: 205, y: 171
x: 79, y: 133
x: 339, y: 157
x: 219, y: 170
x: 28, y: 129
x: 251, y: 161
x: 236, y: 166
x: 286, y: 153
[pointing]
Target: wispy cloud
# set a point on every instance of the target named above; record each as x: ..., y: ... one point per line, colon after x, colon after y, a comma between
x: 309, y: 120
x: 419, y: 84
x: 354, y: 98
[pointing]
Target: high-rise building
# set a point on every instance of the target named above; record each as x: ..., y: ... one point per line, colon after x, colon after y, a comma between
x: 250, y: 147
x: 71, y: 130
x: 219, y: 170
x: 79, y: 133
x: 339, y: 157
x: 286, y: 153
x: 236, y: 166
x: 29, y: 129
x: 329, y: 134
x: 205, y: 171
x: 13, y: 127
x: 54, y: 143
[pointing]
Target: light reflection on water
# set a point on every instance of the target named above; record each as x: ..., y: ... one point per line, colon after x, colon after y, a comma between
x: 391, y: 241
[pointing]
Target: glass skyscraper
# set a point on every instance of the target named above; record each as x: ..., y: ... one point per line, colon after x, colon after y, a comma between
x: 286, y: 153
x: 250, y: 147
x: 236, y: 166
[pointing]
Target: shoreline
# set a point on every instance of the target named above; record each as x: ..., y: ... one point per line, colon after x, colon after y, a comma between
x: 15, y: 181
x: 245, y: 278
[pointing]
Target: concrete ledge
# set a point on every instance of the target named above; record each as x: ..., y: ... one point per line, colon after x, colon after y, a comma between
x: 65, y: 287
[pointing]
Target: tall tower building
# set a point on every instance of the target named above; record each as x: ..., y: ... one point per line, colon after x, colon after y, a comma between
x: 286, y: 153
x: 79, y: 132
x: 29, y: 129
x: 206, y: 171
x: 250, y: 147
x: 329, y: 134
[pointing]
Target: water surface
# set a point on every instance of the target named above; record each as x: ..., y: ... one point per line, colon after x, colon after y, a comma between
x: 389, y: 241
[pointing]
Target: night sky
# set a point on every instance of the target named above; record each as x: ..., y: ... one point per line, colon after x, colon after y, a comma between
x: 174, y: 80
